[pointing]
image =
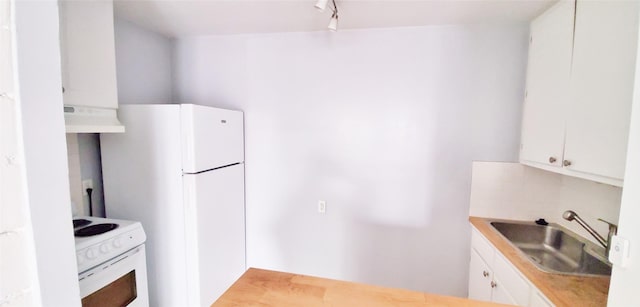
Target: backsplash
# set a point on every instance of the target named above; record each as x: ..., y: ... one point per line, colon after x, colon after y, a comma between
x: 83, y: 154
x: 75, y: 178
x: 515, y: 191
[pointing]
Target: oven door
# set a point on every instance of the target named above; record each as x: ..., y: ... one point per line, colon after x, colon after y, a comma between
x: 121, y: 281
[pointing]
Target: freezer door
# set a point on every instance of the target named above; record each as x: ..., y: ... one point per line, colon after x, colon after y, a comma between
x: 216, y: 232
x: 211, y: 137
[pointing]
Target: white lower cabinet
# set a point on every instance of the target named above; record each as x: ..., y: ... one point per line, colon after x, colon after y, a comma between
x: 493, y: 278
x: 538, y: 300
x: 480, y: 278
x: 500, y: 293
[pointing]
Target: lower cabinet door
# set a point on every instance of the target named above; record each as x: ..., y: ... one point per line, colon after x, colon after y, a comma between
x: 500, y: 294
x: 537, y: 300
x: 511, y: 281
x: 479, y: 278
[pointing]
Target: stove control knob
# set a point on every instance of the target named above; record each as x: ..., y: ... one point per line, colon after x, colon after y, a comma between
x: 117, y: 243
x: 91, y: 253
x: 104, y: 248
x: 80, y: 258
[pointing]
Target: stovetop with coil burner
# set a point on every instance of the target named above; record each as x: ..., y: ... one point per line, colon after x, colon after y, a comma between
x: 80, y: 222
x: 96, y: 229
x: 100, y: 239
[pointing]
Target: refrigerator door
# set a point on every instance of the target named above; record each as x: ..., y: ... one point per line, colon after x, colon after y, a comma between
x: 211, y: 137
x: 215, y: 238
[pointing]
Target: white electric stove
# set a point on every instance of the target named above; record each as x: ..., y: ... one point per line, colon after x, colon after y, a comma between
x: 111, y: 262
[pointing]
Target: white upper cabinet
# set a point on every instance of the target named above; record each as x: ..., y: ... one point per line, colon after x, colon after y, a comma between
x: 88, y: 54
x: 604, y: 60
x: 549, y: 69
x: 579, y: 89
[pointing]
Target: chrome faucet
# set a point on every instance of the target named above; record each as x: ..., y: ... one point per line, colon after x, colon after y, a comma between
x: 613, y: 229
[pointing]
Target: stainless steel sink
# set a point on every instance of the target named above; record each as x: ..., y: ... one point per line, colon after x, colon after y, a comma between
x: 555, y: 249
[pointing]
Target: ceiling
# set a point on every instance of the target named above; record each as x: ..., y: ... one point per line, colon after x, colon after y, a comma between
x: 178, y: 18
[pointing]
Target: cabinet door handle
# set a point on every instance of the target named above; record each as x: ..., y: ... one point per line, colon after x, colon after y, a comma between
x: 485, y: 273
x: 566, y: 163
x: 493, y: 284
x: 552, y: 160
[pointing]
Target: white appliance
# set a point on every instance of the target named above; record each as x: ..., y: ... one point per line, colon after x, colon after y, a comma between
x: 111, y: 262
x: 179, y: 169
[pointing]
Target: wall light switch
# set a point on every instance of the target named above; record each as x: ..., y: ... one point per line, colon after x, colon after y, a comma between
x: 619, y: 253
x: 322, y: 206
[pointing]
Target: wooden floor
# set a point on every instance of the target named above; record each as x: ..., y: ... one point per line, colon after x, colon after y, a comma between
x: 270, y: 288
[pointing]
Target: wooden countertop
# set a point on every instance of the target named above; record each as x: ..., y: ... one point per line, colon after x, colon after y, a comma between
x: 562, y: 290
x: 270, y: 288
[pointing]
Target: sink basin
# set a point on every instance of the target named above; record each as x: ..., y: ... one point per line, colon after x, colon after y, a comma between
x: 553, y: 249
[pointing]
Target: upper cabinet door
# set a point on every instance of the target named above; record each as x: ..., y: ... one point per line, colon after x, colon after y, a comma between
x: 548, y: 74
x: 606, y: 36
x: 88, y: 53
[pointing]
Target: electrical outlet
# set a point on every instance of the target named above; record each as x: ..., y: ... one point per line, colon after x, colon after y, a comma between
x: 322, y: 206
x: 619, y: 253
x: 86, y: 184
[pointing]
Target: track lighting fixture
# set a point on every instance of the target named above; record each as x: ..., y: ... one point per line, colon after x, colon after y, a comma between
x: 333, y: 23
x: 321, y: 5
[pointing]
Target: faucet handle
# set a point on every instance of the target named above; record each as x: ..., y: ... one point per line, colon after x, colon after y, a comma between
x: 612, y: 227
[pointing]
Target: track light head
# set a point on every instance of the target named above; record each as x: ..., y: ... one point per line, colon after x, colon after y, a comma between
x: 322, y: 5
x: 333, y: 24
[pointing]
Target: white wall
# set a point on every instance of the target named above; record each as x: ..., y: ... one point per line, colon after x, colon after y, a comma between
x: 39, y: 83
x: 91, y: 168
x: 382, y: 124
x: 143, y: 63
x: 83, y: 156
x: 75, y: 175
x: 518, y: 192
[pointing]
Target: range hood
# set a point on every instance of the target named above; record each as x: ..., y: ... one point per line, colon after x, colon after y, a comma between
x: 79, y: 119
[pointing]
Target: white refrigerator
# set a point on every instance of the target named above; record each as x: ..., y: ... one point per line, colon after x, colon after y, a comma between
x: 179, y: 169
